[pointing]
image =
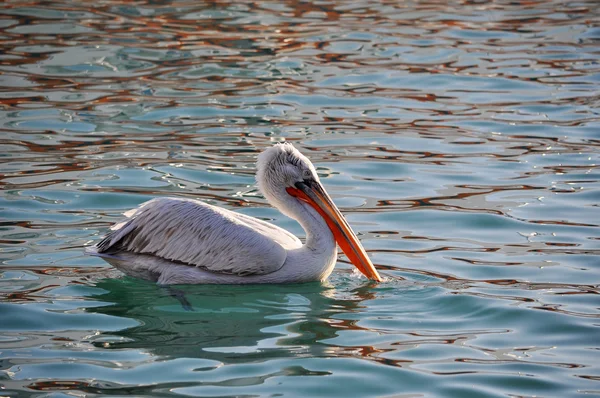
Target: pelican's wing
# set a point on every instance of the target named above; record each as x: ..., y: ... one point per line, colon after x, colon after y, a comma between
x: 279, y: 235
x: 198, y: 234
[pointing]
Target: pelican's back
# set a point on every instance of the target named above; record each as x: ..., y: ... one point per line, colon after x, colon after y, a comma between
x: 194, y: 233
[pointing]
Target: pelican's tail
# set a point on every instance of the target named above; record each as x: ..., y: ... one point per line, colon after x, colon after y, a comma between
x: 93, y: 251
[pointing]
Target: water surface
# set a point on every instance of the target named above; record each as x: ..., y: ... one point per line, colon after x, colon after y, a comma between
x: 461, y: 140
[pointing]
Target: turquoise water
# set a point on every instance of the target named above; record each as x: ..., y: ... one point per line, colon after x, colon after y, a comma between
x: 462, y: 142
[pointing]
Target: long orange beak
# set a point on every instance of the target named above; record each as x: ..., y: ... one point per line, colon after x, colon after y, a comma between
x: 314, y: 194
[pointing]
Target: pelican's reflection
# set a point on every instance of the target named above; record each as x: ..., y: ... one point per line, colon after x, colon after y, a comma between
x: 228, y: 323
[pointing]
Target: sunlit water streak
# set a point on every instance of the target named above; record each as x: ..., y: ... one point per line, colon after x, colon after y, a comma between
x: 461, y: 140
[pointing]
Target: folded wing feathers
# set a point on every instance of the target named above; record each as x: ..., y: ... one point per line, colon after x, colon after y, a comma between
x: 198, y: 234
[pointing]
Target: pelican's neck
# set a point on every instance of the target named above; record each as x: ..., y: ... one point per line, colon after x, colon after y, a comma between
x: 319, y: 237
x: 316, y: 259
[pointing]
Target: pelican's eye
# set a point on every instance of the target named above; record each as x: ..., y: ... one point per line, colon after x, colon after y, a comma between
x: 306, y: 174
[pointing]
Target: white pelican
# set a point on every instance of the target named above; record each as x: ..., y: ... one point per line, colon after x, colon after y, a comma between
x: 180, y: 241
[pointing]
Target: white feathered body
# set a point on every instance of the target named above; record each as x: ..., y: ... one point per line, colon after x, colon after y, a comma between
x: 180, y: 241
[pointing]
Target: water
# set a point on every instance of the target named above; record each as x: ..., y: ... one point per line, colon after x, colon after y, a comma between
x: 462, y: 142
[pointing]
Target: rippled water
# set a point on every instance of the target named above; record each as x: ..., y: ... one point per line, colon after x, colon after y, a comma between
x: 461, y: 140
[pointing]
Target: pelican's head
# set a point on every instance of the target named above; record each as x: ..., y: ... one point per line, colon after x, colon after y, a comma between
x: 282, y: 166
x: 289, y: 181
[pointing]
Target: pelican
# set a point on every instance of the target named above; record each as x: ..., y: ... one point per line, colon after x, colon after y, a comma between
x: 183, y: 241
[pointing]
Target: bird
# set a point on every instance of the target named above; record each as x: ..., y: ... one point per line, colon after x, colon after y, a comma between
x: 186, y: 241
